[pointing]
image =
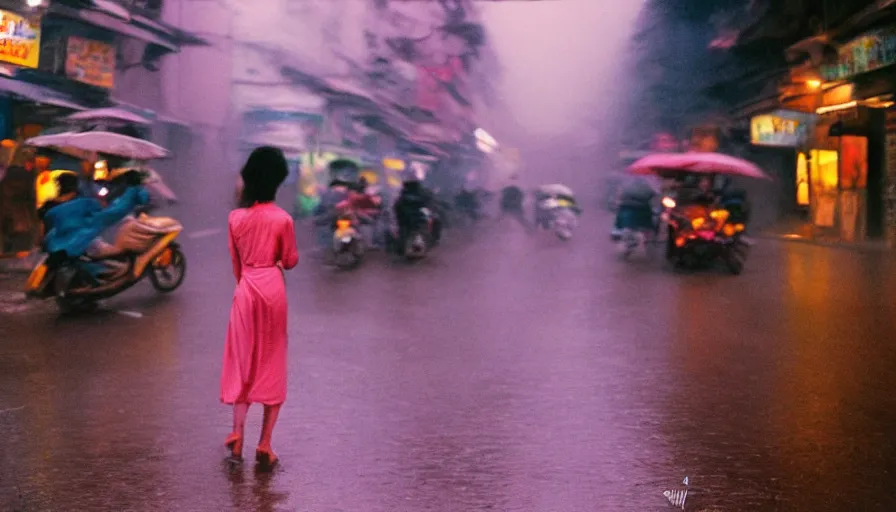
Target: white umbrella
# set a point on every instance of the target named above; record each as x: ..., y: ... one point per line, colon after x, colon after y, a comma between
x: 52, y: 141
x: 115, y: 114
x: 103, y: 142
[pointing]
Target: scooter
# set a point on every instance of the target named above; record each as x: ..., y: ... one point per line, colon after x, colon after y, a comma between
x: 145, y: 247
x: 348, y: 244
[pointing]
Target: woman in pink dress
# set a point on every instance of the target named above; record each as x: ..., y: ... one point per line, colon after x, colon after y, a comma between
x: 262, y: 246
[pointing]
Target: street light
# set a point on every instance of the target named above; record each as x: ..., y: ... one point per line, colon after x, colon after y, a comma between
x: 34, y: 3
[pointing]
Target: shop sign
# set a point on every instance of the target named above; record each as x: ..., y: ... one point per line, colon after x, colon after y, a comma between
x: 90, y: 62
x: 19, y: 40
x: 871, y: 51
x: 779, y: 129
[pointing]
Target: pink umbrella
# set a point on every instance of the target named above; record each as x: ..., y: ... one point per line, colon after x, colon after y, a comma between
x: 696, y: 162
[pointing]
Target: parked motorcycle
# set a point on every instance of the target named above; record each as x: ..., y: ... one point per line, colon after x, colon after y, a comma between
x: 700, y: 235
x: 145, y: 247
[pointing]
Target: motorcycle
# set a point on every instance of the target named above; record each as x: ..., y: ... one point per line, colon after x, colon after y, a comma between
x: 348, y: 244
x: 421, y: 236
x: 145, y: 247
x: 558, y: 211
x: 701, y: 235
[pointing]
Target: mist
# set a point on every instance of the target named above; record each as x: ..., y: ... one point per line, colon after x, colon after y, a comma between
x: 561, y: 62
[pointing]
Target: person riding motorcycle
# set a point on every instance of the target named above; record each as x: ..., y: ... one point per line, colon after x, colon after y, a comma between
x: 543, y: 212
x: 635, y: 207
x: 343, y: 176
x: 76, y: 222
x: 411, y: 200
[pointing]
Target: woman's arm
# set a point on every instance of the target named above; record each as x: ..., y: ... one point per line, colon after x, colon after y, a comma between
x: 289, y: 255
x: 234, y: 253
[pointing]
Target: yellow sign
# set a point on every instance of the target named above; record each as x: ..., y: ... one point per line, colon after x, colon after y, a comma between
x: 90, y: 62
x: 19, y: 40
x: 769, y: 130
x: 393, y: 164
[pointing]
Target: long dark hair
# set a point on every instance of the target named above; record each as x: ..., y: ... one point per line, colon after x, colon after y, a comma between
x: 262, y: 175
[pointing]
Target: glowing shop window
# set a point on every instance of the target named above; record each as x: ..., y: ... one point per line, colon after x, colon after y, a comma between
x: 824, y: 170
x: 802, y: 180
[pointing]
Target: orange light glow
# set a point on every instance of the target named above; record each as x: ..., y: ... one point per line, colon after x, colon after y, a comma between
x: 343, y: 224
x: 679, y: 242
x: 719, y: 215
x: 813, y: 84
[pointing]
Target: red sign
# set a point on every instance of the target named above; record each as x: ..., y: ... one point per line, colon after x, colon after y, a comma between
x: 430, y: 90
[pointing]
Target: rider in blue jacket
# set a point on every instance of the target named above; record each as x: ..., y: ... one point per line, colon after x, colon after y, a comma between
x: 75, y: 223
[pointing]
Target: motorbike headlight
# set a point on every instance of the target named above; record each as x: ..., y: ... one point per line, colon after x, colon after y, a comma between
x: 719, y: 215
x: 103, y: 192
x: 668, y: 202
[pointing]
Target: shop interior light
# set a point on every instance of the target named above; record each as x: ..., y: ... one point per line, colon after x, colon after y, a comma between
x: 813, y: 84
x: 835, y: 108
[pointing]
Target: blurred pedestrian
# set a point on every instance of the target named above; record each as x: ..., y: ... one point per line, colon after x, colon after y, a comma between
x: 512, y: 198
x: 262, y: 246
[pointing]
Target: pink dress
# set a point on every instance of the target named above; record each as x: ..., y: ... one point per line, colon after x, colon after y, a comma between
x: 262, y: 240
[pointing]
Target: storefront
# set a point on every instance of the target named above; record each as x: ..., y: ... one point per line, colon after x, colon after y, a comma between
x: 783, y: 132
x: 843, y: 161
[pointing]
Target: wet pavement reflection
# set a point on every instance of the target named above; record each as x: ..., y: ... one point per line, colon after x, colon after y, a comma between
x: 506, y: 373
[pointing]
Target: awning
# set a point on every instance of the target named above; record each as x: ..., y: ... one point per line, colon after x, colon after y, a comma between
x: 37, y: 94
x: 113, y: 23
x: 150, y: 114
x: 116, y: 114
x: 112, y: 8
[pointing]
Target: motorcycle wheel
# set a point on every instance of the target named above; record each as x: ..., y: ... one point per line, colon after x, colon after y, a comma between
x: 736, y: 258
x: 415, y: 247
x: 627, y: 244
x: 169, y: 278
x: 348, y: 259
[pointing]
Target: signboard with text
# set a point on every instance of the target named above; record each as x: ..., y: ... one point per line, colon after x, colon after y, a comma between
x: 90, y: 62
x: 19, y: 40
x: 871, y: 51
x: 779, y: 129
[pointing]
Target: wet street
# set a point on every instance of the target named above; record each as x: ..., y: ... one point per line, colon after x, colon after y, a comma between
x: 507, y: 373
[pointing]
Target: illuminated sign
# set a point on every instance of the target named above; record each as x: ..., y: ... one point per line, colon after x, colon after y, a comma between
x: 780, y: 129
x: 19, y: 40
x: 90, y: 62
x: 871, y: 51
x: 393, y: 164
